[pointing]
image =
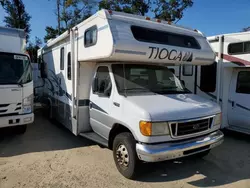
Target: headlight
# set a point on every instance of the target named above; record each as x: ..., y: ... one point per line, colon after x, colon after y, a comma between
x: 154, y: 129
x: 28, y: 104
x: 217, y: 119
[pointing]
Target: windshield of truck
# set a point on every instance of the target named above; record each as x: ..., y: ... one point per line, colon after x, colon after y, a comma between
x: 15, y: 69
x: 136, y: 78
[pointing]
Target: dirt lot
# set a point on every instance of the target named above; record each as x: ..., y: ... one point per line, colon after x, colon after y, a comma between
x: 48, y: 155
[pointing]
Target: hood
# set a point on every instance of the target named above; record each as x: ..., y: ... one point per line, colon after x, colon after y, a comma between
x: 175, y: 107
x: 10, y: 94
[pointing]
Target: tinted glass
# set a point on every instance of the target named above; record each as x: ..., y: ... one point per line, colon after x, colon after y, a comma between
x: 69, y: 66
x: 136, y: 79
x: 90, y: 37
x: 243, y: 82
x: 247, y: 47
x: 104, y: 81
x: 162, y: 37
x: 62, y: 59
x: 208, y: 78
x: 14, y: 69
x: 187, y: 70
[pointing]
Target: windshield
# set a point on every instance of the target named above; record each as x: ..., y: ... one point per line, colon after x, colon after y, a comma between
x: 14, y: 69
x: 136, y: 78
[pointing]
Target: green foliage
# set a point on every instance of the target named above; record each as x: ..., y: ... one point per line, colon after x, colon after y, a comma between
x: 246, y: 29
x: 170, y: 10
x: 33, y: 48
x: 140, y: 7
x: 70, y: 13
x: 17, y: 17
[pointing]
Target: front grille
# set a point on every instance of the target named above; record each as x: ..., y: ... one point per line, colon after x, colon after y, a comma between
x: 3, y: 111
x: 11, y: 114
x: 4, y: 105
x: 190, y: 127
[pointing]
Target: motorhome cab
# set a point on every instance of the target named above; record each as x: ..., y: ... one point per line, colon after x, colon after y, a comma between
x: 16, y: 84
x: 226, y: 81
x: 107, y: 80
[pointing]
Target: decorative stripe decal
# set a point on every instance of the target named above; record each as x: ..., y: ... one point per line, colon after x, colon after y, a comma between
x: 235, y: 60
x: 243, y: 107
x: 68, y: 95
x: 203, y: 59
x: 130, y: 52
x: 103, y: 27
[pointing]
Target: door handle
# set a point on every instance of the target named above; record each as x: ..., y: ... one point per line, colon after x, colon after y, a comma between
x: 90, y: 105
x: 233, y: 103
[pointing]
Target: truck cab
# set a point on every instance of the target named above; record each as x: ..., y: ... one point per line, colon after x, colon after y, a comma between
x: 16, y: 84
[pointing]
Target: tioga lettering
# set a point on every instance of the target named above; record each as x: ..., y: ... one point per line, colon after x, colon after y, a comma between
x: 174, y: 55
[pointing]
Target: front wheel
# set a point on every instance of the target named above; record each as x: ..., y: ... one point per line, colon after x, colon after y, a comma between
x: 124, y: 154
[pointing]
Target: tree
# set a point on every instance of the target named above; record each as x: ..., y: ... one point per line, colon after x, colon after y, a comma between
x: 17, y: 17
x: 33, y: 48
x: 246, y: 29
x: 140, y: 7
x: 169, y: 10
x: 69, y: 13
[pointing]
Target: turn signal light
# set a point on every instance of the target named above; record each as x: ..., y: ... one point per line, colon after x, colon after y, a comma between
x: 146, y: 128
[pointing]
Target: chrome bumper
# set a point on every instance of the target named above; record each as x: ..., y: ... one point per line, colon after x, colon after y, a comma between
x: 167, y: 151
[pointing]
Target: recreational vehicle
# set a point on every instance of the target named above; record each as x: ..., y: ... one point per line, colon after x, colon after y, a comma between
x: 16, y: 83
x: 107, y: 79
x: 226, y: 81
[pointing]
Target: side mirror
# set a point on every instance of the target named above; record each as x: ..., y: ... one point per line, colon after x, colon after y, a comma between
x: 95, y: 85
x: 183, y: 82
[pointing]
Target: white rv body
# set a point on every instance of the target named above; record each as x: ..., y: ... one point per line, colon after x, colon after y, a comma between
x: 16, y: 83
x: 229, y: 80
x: 103, y: 50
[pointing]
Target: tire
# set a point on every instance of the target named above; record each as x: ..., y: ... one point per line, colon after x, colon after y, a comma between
x: 124, y: 154
x: 21, y: 129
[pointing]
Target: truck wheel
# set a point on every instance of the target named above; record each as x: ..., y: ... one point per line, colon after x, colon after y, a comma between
x: 124, y: 154
x: 21, y: 129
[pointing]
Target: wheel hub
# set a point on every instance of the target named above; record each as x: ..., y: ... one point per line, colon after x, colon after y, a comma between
x: 122, y: 155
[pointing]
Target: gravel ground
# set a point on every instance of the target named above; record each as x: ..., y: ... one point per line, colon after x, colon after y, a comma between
x: 48, y: 155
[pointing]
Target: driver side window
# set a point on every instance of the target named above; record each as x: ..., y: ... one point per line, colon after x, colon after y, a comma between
x: 103, y: 82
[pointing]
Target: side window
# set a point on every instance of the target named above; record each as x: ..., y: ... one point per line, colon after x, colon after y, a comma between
x: 239, y: 48
x: 187, y: 70
x: 243, y: 81
x: 90, y: 37
x: 69, y: 66
x: 102, y: 84
x: 62, y: 59
x: 208, y: 78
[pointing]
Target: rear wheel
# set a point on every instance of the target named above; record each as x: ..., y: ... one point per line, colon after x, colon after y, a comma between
x: 21, y: 129
x: 124, y: 154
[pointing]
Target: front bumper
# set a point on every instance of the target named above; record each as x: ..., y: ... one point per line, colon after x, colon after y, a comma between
x: 167, y: 151
x: 10, y: 121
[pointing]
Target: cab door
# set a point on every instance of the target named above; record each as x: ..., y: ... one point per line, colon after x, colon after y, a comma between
x: 101, y: 102
x: 239, y: 100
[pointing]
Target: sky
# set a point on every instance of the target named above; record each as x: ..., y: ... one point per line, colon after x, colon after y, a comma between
x: 212, y: 17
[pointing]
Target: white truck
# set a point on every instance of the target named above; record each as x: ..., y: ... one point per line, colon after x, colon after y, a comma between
x: 226, y: 81
x: 16, y: 84
x: 107, y: 79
